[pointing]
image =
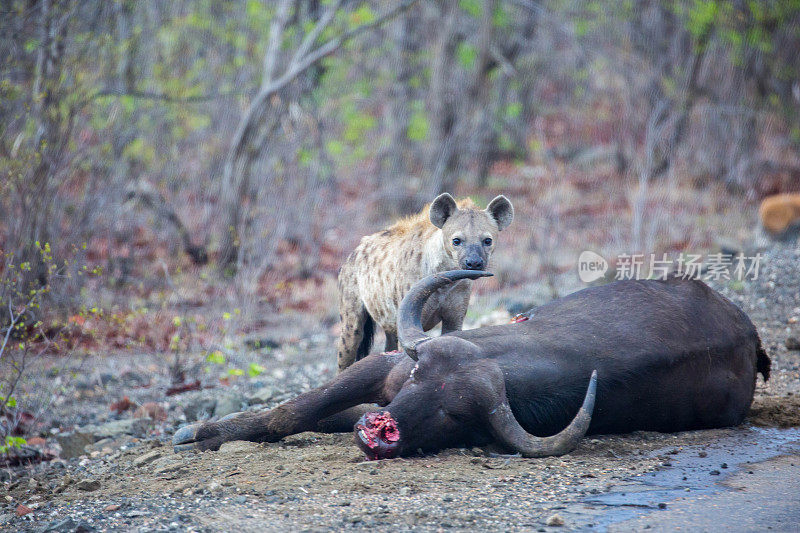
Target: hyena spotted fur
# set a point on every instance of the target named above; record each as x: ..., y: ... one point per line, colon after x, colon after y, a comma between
x: 446, y: 235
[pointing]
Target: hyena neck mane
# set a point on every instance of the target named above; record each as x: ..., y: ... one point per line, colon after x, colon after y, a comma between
x: 434, y: 257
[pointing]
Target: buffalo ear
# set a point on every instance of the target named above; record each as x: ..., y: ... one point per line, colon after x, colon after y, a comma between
x: 442, y: 208
x: 501, y: 210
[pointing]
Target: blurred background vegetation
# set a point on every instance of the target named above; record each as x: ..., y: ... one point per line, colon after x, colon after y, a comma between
x: 175, y: 155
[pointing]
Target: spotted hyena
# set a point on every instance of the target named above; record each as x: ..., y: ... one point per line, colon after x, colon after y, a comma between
x: 446, y: 235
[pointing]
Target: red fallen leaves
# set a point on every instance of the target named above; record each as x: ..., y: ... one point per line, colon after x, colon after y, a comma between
x: 22, y: 510
x: 519, y: 318
x: 183, y: 387
x: 35, y: 441
x: 120, y: 406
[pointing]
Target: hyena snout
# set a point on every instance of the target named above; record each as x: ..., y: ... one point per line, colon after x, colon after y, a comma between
x: 474, y: 259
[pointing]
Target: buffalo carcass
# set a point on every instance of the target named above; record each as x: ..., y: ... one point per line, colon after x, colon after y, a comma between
x: 652, y: 355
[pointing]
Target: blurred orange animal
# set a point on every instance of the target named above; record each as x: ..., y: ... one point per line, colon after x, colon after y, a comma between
x: 780, y: 212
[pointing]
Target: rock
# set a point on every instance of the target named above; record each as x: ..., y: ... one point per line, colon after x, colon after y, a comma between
x: 555, y: 520
x: 792, y: 343
x: 135, y: 379
x: 729, y: 246
x: 238, y: 446
x: 112, y: 507
x: 74, y: 443
x: 108, y: 445
x: 165, y: 465
x: 67, y: 525
x: 66, y: 481
x: 240, y: 499
x: 199, y: 408
x: 149, y: 457
x: 131, y: 426
x: 151, y: 410
x: 261, y: 343
x: 230, y: 402
x: 262, y: 395
x: 22, y: 510
x: 88, y: 485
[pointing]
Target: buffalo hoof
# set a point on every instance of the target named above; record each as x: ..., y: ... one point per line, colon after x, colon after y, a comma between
x: 205, y: 436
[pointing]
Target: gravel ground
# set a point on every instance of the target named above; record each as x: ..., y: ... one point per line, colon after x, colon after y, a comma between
x: 128, y: 479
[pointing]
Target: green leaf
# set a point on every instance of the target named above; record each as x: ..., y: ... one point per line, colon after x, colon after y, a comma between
x: 467, y: 55
x: 216, y: 357
x: 334, y: 147
x: 255, y: 369
x: 473, y: 7
x: 418, y: 126
x: 501, y: 18
x: 513, y: 110
x: 362, y: 15
x: 235, y: 372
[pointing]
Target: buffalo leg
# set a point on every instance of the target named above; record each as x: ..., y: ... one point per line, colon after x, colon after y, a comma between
x: 363, y: 382
x: 344, y: 421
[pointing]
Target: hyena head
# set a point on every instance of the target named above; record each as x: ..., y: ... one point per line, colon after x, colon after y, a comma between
x: 469, y: 232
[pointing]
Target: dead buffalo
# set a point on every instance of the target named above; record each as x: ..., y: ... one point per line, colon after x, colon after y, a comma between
x: 657, y: 355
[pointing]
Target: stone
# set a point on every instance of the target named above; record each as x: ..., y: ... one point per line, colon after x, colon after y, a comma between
x: 555, y: 520
x: 230, y: 402
x: 67, y: 525
x: 166, y: 465
x: 199, y: 408
x: 147, y: 458
x: 22, y: 510
x: 262, y: 395
x: 792, y: 343
x: 130, y: 426
x: 88, y: 485
x: 73, y: 444
x: 236, y: 446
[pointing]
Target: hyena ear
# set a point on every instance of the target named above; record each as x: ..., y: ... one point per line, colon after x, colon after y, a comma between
x: 501, y: 210
x: 442, y: 208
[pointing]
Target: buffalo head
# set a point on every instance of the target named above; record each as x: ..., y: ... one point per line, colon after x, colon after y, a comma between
x: 454, y: 394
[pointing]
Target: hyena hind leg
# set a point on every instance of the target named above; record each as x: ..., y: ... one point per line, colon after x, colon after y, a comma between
x: 355, y: 323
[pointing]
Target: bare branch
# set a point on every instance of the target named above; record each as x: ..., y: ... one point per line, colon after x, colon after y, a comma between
x: 275, y: 33
x: 311, y: 37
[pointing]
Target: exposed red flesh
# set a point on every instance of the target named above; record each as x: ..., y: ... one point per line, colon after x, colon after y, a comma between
x: 378, y: 435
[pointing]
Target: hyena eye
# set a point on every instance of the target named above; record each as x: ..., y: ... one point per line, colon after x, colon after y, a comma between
x: 456, y: 241
x: 487, y: 242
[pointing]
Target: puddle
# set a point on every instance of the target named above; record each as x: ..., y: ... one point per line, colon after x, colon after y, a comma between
x: 691, y: 474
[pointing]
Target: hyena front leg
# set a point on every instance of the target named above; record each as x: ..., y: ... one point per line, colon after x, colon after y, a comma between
x: 454, y: 309
x: 391, y: 341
